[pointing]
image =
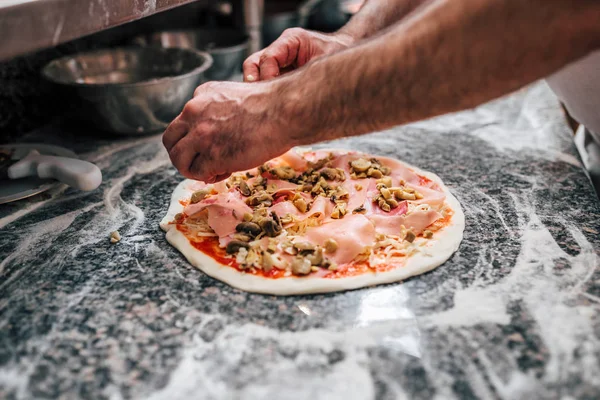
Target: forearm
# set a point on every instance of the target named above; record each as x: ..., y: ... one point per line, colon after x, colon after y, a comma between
x: 449, y: 56
x: 376, y: 15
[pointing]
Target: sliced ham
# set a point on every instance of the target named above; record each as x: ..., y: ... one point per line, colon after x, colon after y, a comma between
x: 221, y: 187
x: 357, y: 197
x: 344, y: 160
x: 294, y: 160
x: 284, y: 208
x: 320, y: 205
x: 225, y: 211
x: 283, y: 185
x: 279, y: 184
x: 315, y: 156
x: 352, y: 233
x: 417, y: 221
x: 430, y: 196
x: 374, y: 209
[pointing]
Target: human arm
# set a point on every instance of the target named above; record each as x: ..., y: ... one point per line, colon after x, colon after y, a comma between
x: 376, y: 15
x: 297, y: 46
x: 448, y: 56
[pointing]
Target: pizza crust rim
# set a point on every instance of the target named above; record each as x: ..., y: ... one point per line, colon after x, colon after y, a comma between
x: 444, y: 244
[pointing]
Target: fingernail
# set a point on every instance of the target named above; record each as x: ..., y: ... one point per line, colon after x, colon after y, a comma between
x: 250, y: 78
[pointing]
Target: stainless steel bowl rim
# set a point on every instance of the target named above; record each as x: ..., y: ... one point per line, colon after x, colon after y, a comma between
x: 208, y: 62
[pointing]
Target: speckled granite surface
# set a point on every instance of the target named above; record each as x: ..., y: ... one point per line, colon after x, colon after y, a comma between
x: 514, y: 314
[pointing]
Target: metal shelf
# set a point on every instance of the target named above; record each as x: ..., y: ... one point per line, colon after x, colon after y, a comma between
x: 30, y: 25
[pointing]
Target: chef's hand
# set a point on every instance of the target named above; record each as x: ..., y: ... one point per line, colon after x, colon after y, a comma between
x: 226, y: 127
x: 294, y: 48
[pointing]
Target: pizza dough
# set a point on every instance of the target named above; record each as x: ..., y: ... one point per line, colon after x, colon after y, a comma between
x: 423, y: 253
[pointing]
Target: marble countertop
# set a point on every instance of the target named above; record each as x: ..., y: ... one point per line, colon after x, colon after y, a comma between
x: 513, y: 314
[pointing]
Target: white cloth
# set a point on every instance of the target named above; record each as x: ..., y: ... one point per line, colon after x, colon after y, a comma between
x: 578, y: 87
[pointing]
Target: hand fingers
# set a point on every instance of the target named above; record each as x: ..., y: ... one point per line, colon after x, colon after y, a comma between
x: 268, y: 63
x: 174, y: 133
x: 269, y: 68
x: 281, y: 54
x: 251, y: 73
x: 183, y: 155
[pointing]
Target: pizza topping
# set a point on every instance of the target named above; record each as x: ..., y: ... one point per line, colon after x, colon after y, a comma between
x: 294, y: 160
x: 374, y: 173
x: 272, y: 246
x: 352, y: 234
x: 249, y: 227
x: 321, y: 187
x: 360, y: 165
x: 333, y: 174
x: 417, y: 221
x: 260, y: 182
x: 199, y: 195
x: 254, y: 258
x: 307, y: 187
x: 288, y: 248
x: 315, y: 257
x: 405, y: 193
x: 359, y: 210
x: 301, y: 266
x: 364, y: 255
x: 271, y: 226
x: 285, y: 173
x: 339, y: 211
x: 363, y: 168
x: 270, y: 261
x: 385, y: 192
x: 242, y: 237
x: 321, y: 163
x: 304, y: 246
x: 330, y: 246
x: 314, y: 198
x: 260, y: 198
x: 386, y: 181
x: 410, y: 236
x: 340, y: 193
x: 287, y: 219
x: 300, y: 204
x: 245, y: 189
x: 235, y: 245
x: 384, y: 205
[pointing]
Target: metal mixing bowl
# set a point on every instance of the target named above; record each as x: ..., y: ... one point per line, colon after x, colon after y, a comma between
x: 128, y: 90
x: 227, y: 47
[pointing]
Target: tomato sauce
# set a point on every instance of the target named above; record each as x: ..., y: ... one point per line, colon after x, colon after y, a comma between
x: 210, y: 247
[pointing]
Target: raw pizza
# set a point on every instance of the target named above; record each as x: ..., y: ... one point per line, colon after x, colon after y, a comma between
x: 316, y: 221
